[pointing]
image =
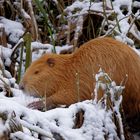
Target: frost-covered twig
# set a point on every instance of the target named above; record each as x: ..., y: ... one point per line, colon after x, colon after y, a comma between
x: 22, y: 136
x: 18, y: 45
x: 112, y: 97
x: 109, y: 32
x: 36, y: 129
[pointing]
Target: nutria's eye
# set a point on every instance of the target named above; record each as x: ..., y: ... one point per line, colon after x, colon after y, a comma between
x: 36, y: 72
x: 51, y: 62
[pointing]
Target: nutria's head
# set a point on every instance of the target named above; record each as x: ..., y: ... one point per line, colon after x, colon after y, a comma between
x: 40, y: 78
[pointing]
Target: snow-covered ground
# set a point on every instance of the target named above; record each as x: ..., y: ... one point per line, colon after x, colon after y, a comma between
x: 61, y: 122
x: 97, y: 122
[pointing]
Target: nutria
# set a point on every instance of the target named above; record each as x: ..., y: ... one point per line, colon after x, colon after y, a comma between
x: 54, y: 76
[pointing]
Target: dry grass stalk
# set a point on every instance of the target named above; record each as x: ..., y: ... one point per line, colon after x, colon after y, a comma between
x: 68, y: 32
x: 3, y: 40
x: 104, y: 11
x: 13, y: 62
x: 134, y: 35
x: 60, y: 6
x: 78, y: 86
x: 7, y: 88
x: 34, y: 27
x: 14, y: 123
x: 11, y: 123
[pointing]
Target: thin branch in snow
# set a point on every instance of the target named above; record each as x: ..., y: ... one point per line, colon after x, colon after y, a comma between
x: 36, y: 129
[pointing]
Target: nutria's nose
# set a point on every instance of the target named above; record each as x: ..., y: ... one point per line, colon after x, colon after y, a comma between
x: 21, y: 85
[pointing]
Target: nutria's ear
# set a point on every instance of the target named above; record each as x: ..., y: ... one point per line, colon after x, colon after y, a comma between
x: 51, y: 62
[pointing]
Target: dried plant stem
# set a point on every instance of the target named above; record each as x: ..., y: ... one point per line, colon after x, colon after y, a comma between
x: 12, y: 66
x: 113, y: 29
x: 27, y: 40
x: 92, y: 27
x: 104, y: 11
x: 132, y: 22
x: 45, y: 102
x: 18, y: 45
x: 78, y: 86
x: 14, y: 124
x: 34, y: 29
x: 7, y: 87
x: 102, y: 27
x: 117, y: 21
x: 123, y: 82
x: 3, y: 41
x: 68, y: 32
x: 20, y: 65
x: 21, y: 4
x: 91, y: 22
x: 60, y: 6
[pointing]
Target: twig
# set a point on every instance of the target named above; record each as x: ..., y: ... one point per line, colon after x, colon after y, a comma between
x: 7, y: 87
x: 78, y: 86
x: 18, y: 45
x: 20, y: 65
x: 109, y: 32
x: 3, y: 40
x: 104, y: 11
x: 102, y: 27
x: 34, y: 23
x: 68, y: 32
x: 27, y: 41
x: 36, y: 129
x: 117, y: 21
x: 132, y: 22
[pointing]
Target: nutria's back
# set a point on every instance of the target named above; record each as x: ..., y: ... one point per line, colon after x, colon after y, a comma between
x: 56, y: 77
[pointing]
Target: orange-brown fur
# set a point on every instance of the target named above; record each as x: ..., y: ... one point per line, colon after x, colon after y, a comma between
x: 54, y: 76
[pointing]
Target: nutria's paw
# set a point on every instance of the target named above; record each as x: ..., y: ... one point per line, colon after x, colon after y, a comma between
x: 37, y: 105
x: 40, y: 105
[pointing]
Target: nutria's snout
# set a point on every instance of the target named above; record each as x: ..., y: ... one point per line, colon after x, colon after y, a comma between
x: 21, y: 86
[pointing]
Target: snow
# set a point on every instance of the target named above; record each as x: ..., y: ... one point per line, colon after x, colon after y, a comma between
x: 25, y: 14
x: 6, y: 54
x: 47, y: 48
x: 136, y: 4
x: 98, y: 120
x: 21, y: 135
x: 92, y: 127
x: 79, y: 9
x: 83, y: 7
x: 13, y: 29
